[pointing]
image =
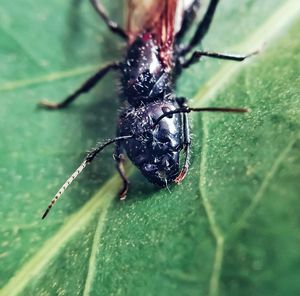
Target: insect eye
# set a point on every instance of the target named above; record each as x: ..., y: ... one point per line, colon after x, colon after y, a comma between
x: 149, y: 167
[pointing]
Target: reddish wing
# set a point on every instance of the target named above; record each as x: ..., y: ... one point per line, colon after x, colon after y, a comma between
x: 161, y: 19
x: 153, y: 16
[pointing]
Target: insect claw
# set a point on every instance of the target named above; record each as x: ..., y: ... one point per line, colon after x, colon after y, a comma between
x: 45, y: 214
x: 181, y: 176
x: 45, y: 104
x: 123, y: 191
x: 123, y: 195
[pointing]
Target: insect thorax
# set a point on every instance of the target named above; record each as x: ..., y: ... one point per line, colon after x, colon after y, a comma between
x: 144, y: 77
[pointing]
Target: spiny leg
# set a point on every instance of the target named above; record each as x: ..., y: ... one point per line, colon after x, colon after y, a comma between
x: 187, y: 143
x: 114, y: 27
x: 196, y: 56
x: 120, y: 159
x: 202, y: 27
x: 88, y: 159
x: 188, y: 18
x: 87, y: 86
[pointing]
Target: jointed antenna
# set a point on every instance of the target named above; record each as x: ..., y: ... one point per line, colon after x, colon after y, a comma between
x: 88, y: 159
x: 189, y: 109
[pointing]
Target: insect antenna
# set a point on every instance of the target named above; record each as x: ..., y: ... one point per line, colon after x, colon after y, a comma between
x: 88, y: 159
x: 189, y: 109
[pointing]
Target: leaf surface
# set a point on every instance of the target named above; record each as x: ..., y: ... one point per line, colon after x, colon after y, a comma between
x: 231, y: 228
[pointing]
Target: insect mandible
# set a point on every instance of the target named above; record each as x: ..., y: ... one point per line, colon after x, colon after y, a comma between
x: 153, y: 126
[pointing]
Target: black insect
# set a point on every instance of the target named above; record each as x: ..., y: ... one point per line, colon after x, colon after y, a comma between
x: 153, y: 126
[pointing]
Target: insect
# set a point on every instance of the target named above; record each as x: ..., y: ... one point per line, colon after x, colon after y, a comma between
x: 153, y: 126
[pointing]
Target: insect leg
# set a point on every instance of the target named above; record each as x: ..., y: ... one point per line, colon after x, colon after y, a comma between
x: 114, y: 27
x: 202, y: 27
x: 187, y: 144
x: 87, y: 86
x: 188, y: 18
x: 196, y: 56
x: 120, y: 159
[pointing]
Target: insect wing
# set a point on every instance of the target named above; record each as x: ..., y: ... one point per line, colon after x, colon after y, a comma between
x: 161, y: 18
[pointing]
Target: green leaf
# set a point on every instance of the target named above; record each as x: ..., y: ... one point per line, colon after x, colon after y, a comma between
x: 231, y: 228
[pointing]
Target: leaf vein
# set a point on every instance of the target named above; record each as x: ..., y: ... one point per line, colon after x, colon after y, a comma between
x: 270, y: 28
x: 262, y: 189
x: 214, y: 227
x: 95, y: 246
x: 13, y: 85
x: 35, y: 266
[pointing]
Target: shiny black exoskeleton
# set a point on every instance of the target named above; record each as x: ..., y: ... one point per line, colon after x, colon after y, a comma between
x: 155, y: 151
x: 153, y: 125
x: 148, y: 91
